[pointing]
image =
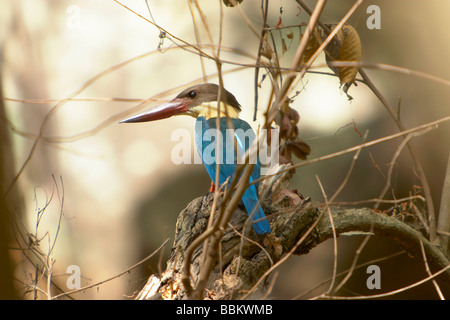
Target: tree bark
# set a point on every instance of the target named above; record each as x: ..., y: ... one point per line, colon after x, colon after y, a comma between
x: 7, y: 289
x: 288, y: 226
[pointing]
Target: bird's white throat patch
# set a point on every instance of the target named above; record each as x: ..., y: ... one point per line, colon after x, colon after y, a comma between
x: 210, y: 110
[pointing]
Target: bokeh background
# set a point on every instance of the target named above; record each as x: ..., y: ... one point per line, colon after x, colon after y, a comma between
x: 118, y: 188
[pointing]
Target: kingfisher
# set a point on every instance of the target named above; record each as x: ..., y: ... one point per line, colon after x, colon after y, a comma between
x: 233, y: 139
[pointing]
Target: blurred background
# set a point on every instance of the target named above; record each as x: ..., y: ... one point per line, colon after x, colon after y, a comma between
x: 105, y: 195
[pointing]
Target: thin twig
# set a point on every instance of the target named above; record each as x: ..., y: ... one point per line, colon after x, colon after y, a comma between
x: 391, y: 168
x: 258, y: 57
x: 196, y: 48
x: 425, y: 126
x: 349, y: 172
x: 355, y: 260
x: 282, y: 94
x: 427, y: 269
x: 197, y: 39
x: 53, y: 110
x: 270, y: 287
x: 394, y: 292
x: 246, y: 19
x: 394, y: 201
x: 418, y: 166
x: 374, y: 261
x: 444, y: 209
x: 285, y: 257
x: 212, y: 243
x: 335, y: 253
x: 114, y: 277
x: 243, y: 237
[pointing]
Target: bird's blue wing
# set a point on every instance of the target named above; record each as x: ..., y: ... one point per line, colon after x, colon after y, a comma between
x: 206, y: 139
x: 244, y: 138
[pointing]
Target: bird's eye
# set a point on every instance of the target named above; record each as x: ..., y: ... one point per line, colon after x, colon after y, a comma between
x: 192, y: 94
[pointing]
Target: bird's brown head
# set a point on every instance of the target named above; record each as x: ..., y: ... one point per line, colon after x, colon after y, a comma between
x: 199, y: 100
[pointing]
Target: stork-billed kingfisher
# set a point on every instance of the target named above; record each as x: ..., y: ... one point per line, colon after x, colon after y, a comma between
x: 200, y: 102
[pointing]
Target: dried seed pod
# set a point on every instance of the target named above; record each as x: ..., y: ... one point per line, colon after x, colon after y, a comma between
x: 345, y: 46
x: 294, y: 116
x: 285, y: 127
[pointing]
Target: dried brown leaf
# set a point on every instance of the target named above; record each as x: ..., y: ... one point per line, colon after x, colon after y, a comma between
x: 283, y: 45
x: 266, y: 49
x: 271, y: 241
x: 311, y: 47
x: 345, y: 46
x: 232, y: 3
x: 300, y: 149
x: 290, y: 35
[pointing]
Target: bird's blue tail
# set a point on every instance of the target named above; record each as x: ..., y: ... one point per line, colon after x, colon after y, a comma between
x: 250, y: 200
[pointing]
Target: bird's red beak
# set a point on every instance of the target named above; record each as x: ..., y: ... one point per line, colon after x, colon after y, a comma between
x: 163, y: 111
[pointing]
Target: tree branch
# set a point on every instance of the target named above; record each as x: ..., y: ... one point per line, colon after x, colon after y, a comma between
x: 444, y: 210
x: 242, y: 263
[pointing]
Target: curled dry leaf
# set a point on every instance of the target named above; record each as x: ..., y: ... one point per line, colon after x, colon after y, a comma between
x: 290, y: 35
x: 279, y: 23
x: 283, y: 45
x: 289, y: 134
x: 271, y: 241
x: 266, y: 49
x: 291, y: 197
x: 300, y: 149
x: 294, y: 116
x: 288, y: 124
x: 285, y: 107
x: 232, y: 3
x: 284, y: 160
x: 285, y: 126
x: 345, y: 46
x: 311, y: 47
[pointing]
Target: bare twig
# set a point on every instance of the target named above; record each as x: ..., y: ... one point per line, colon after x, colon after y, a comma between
x: 53, y: 110
x: 246, y: 20
x: 393, y: 201
x: 355, y: 260
x: 196, y: 48
x: 113, y: 277
x: 391, y: 166
x: 282, y: 94
x: 197, y: 39
x: 350, y: 270
x: 394, y: 292
x: 349, y: 172
x: 335, y: 253
x: 396, y: 117
x: 427, y: 269
x: 432, y: 124
x: 284, y: 258
x: 417, y: 164
x: 444, y: 210
x: 265, y: 10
